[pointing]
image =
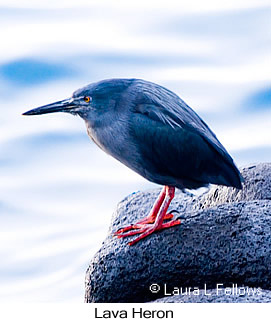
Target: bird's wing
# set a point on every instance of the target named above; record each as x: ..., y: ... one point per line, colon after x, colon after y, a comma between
x: 166, y: 107
x: 172, y: 152
x: 176, y: 152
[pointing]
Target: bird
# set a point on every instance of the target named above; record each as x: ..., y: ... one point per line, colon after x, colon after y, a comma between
x: 151, y: 130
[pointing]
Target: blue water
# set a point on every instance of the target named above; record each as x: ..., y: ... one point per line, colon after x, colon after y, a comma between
x: 57, y: 189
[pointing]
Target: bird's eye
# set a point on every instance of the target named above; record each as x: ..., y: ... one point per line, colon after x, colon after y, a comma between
x: 87, y: 99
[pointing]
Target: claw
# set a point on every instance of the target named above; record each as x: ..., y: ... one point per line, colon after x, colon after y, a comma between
x: 180, y: 217
x: 174, y: 211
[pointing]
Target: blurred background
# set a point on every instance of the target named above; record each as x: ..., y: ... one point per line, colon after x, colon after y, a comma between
x: 57, y: 189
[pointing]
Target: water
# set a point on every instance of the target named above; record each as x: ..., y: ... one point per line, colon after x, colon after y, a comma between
x: 57, y: 189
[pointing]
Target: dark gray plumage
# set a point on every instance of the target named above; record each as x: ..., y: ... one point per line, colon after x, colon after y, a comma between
x: 151, y: 130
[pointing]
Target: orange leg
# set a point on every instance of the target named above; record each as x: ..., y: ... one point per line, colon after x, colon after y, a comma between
x: 151, y: 217
x: 154, y: 221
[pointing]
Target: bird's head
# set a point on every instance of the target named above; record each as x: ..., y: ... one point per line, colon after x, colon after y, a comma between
x: 90, y: 102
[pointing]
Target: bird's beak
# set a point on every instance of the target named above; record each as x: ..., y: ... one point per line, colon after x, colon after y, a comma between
x: 60, y: 106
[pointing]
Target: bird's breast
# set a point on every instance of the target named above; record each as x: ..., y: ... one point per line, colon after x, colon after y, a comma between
x: 114, y: 140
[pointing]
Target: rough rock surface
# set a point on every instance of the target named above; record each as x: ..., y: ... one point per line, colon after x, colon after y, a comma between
x: 257, y: 186
x: 225, y: 237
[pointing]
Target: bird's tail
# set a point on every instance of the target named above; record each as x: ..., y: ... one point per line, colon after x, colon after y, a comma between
x: 230, y: 175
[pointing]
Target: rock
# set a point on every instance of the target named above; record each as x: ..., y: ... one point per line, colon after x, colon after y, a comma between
x: 257, y: 186
x: 208, y: 247
x: 226, y: 295
x: 224, y: 238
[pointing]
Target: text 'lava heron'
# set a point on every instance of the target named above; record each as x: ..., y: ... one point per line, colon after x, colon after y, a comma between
x: 152, y: 131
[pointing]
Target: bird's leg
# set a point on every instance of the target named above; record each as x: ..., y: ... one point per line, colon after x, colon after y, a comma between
x: 147, y: 229
x: 152, y: 215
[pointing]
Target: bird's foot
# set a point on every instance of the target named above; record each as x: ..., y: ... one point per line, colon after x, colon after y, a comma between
x: 138, y: 225
x: 156, y: 219
x: 146, y: 229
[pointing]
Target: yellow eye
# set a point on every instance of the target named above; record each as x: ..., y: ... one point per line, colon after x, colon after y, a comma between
x: 87, y: 99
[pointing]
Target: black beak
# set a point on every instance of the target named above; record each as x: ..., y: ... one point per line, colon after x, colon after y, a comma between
x: 60, y: 106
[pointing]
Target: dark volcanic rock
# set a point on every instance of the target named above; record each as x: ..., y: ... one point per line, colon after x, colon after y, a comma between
x: 257, y: 186
x: 224, y: 238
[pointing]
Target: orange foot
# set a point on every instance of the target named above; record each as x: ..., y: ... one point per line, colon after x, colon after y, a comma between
x: 141, y: 223
x: 145, y: 230
x: 155, y: 221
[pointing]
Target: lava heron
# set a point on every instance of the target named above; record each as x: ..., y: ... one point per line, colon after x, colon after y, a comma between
x: 152, y: 131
